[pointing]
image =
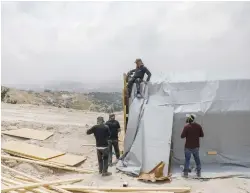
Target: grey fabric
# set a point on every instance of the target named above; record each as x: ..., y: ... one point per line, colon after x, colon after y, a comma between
x: 157, y: 133
x: 222, y: 107
x: 134, y: 115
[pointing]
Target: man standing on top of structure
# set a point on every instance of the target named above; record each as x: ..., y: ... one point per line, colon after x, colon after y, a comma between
x: 139, y: 73
x: 114, y: 127
x: 192, y: 132
x: 102, y: 134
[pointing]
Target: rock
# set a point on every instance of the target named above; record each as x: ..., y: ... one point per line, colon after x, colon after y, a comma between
x: 49, y: 128
x: 13, y: 124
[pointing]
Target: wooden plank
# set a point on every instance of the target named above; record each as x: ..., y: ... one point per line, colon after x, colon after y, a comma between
x: 212, y: 152
x: 33, y: 179
x: 125, y: 189
x: 18, y: 183
x: 31, y: 150
x: 68, y: 159
x: 29, y: 133
x: 31, y: 158
x: 89, y: 144
x: 41, y: 189
x: 62, y: 160
x: 43, y: 163
x: 97, y: 191
x: 34, y: 185
x: 124, y: 91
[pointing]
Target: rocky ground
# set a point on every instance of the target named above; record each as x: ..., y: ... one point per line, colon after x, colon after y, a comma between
x: 69, y: 127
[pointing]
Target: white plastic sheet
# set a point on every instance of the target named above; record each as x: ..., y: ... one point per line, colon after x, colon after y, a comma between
x: 222, y: 107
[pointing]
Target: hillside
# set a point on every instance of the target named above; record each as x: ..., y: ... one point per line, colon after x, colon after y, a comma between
x: 93, y: 101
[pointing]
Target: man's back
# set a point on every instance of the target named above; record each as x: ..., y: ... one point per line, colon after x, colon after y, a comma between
x: 101, y: 133
x: 114, y: 127
x: 192, y: 132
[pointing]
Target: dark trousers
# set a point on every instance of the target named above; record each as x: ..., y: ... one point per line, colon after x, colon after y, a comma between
x: 137, y: 81
x: 115, y: 144
x: 102, y: 156
x: 195, y: 153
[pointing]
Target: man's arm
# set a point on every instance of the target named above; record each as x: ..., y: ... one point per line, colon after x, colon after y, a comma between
x: 184, y: 132
x: 118, y: 125
x: 108, y: 130
x: 201, y: 132
x: 91, y: 130
x: 131, y: 71
x: 148, y: 73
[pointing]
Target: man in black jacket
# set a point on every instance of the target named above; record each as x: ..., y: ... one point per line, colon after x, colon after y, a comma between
x: 139, y: 73
x: 102, y: 134
x: 114, y: 127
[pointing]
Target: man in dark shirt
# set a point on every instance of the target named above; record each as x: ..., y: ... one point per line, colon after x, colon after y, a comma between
x: 114, y: 127
x: 139, y: 73
x: 192, y: 132
x: 102, y: 134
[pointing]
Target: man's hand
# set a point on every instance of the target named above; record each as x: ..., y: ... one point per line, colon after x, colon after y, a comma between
x: 130, y: 72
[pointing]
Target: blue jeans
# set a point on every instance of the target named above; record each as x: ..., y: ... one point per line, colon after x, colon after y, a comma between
x: 195, y: 153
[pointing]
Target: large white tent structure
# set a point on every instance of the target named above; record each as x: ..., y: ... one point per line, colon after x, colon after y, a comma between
x: 156, y: 121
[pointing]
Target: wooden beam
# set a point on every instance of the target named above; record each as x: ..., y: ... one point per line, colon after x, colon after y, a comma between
x: 97, y: 191
x: 124, y: 91
x: 38, y: 190
x: 212, y: 152
x: 89, y: 144
x: 34, y: 179
x: 43, y: 163
x: 126, y: 189
x: 34, y: 185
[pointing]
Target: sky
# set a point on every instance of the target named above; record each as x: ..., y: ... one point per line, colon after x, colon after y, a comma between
x: 99, y: 41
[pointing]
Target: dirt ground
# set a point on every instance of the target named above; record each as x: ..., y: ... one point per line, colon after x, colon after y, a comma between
x: 69, y: 127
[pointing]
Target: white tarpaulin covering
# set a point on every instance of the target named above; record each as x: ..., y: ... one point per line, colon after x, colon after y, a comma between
x: 222, y: 107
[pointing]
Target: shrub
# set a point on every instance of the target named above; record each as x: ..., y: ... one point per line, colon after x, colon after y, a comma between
x: 4, y: 91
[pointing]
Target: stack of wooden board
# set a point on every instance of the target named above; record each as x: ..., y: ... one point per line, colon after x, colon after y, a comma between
x: 34, y: 152
x: 15, y: 181
x: 29, y: 133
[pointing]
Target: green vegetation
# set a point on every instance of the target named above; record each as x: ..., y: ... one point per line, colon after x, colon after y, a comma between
x: 4, y: 92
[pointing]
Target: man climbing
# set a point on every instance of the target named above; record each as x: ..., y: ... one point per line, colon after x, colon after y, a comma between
x: 114, y: 127
x: 192, y: 132
x: 102, y: 134
x: 139, y: 73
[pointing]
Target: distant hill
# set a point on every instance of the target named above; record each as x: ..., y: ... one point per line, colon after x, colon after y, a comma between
x: 93, y: 101
x: 72, y: 86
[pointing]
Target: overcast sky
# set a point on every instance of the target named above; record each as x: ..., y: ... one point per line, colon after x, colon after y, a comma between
x: 83, y: 41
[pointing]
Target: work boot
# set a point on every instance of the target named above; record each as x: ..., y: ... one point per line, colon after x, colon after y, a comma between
x: 185, y: 174
x: 106, y: 174
x: 189, y: 170
x: 198, y: 174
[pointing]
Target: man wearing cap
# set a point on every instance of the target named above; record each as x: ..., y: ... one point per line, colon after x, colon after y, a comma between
x: 192, y: 132
x: 139, y: 73
x: 102, y: 134
x: 114, y: 127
